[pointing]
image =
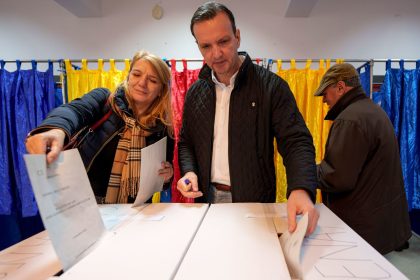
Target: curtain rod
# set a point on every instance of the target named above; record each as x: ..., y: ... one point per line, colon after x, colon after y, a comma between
x: 318, y: 59
x: 395, y: 60
x: 177, y: 60
x: 30, y: 61
x: 201, y: 60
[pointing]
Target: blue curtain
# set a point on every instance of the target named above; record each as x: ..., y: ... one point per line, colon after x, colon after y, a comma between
x: 364, y: 73
x: 165, y: 196
x: 58, y: 96
x: 399, y: 97
x: 26, y: 96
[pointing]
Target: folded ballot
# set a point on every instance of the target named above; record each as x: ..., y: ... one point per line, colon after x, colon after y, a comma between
x: 291, y: 244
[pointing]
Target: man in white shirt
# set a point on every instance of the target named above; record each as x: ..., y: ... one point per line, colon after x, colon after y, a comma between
x: 232, y: 114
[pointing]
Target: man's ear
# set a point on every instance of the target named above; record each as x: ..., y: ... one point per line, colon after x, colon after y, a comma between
x: 238, y: 36
x: 341, y: 85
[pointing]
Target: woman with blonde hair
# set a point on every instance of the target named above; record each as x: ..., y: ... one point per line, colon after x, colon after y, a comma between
x: 136, y: 115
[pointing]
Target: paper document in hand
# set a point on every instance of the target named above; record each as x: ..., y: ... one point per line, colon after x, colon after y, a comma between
x: 151, y: 161
x: 291, y: 244
x: 67, y: 204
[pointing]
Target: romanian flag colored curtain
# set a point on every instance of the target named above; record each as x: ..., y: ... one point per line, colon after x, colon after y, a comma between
x: 26, y: 96
x: 399, y: 97
x: 83, y: 80
x: 181, y: 81
x: 303, y: 83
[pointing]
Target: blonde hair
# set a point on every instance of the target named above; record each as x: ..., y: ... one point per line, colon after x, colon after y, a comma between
x: 161, y: 106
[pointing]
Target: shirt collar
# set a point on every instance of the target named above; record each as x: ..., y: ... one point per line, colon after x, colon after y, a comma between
x: 231, y: 83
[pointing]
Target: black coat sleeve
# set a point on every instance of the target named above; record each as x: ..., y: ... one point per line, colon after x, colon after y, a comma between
x: 186, y: 157
x: 73, y: 116
x: 294, y: 141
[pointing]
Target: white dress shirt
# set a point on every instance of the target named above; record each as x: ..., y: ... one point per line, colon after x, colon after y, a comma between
x: 220, y: 157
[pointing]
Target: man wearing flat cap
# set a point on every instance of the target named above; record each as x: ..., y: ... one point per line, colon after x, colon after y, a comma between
x: 361, y: 177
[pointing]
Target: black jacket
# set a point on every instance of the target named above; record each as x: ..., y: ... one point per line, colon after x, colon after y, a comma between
x: 262, y: 108
x: 98, y: 149
x: 360, y: 175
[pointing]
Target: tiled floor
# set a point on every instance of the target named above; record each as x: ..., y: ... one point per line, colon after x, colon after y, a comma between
x: 408, y: 261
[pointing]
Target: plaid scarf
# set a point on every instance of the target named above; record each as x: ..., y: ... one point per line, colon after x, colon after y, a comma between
x: 125, y: 174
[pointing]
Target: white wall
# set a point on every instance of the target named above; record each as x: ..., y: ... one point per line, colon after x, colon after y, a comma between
x: 42, y: 29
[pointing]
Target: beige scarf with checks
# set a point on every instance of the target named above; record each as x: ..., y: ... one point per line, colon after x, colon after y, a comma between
x: 125, y: 174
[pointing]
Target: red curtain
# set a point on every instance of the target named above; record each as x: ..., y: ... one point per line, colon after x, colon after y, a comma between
x: 181, y: 81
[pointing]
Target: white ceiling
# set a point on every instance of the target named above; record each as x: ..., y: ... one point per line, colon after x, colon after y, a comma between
x: 93, y: 8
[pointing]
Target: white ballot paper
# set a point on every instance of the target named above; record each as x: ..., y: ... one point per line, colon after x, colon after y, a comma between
x: 291, y: 244
x: 67, y: 204
x: 151, y: 161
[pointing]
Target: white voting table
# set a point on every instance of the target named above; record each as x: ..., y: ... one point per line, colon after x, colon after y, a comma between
x: 34, y: 258
x: 227, y: 246
x: 195, y: 241
x: 334, y: 251
x: 150, y: 246
x: 235, y: 241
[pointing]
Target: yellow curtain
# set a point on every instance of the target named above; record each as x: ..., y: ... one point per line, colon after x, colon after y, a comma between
x: 303, y: 83
x: 84, y: 80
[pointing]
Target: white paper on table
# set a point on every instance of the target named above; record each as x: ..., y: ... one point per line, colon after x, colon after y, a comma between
x: 67, y: 204
x: 151, y: 161
x: 291, y: 244
x: 116, y: 215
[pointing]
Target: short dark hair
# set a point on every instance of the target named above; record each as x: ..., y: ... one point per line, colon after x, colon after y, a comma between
x: 208, y: 11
